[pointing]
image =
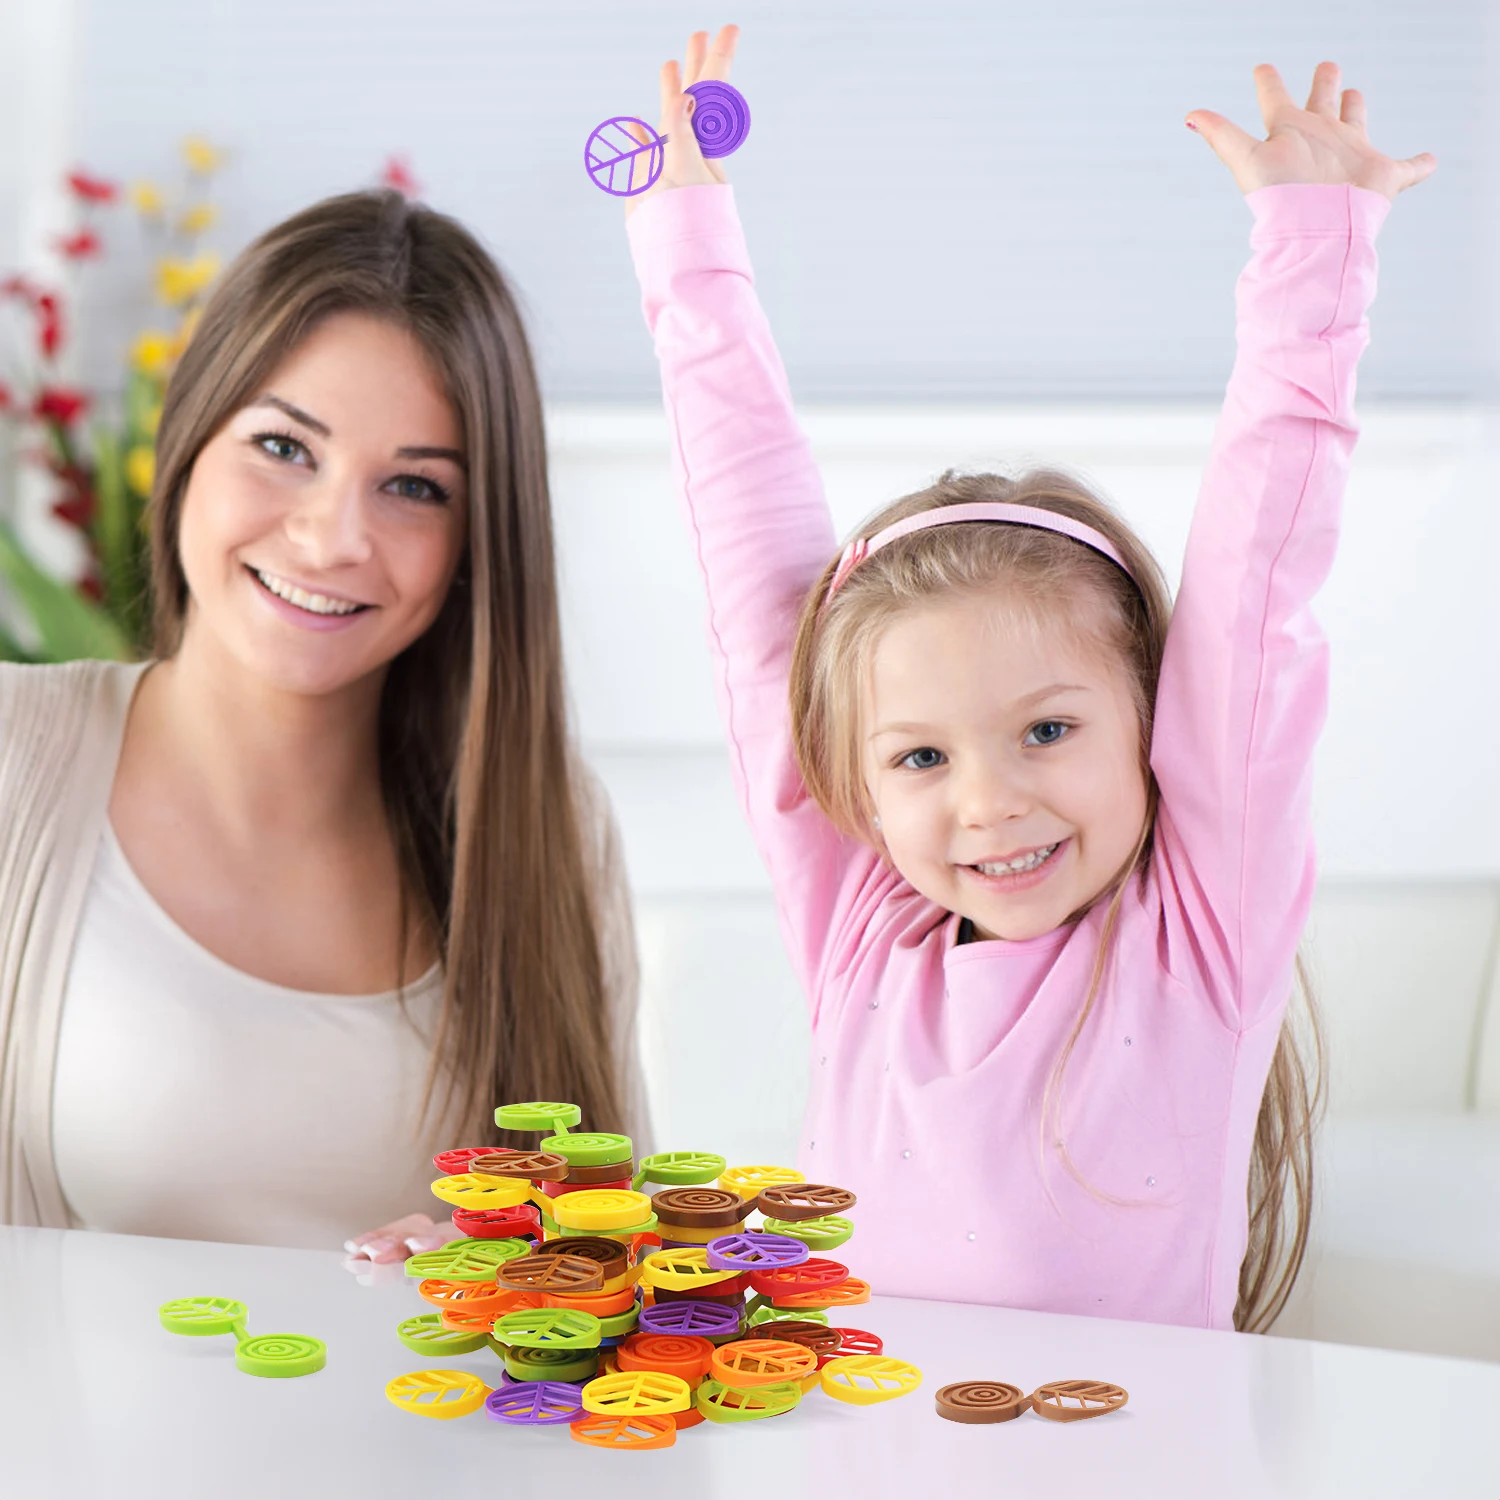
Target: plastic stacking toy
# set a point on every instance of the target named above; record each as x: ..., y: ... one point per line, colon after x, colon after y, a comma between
x: 275, y: 1355
x: 981, y: 1401
x: 443, y: 1394
x: 624, y: 155
x: 864, y: 1379
x: 1074, y: 1400
x: 626, y: 1317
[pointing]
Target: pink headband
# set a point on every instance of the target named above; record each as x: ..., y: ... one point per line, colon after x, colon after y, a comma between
x: 946, y: 515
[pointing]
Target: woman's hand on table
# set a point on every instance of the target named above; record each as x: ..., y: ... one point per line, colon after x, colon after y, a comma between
x: 397, y: 1241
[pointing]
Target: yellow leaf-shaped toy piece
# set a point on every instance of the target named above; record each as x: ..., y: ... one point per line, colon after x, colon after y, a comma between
x: 438, y: 1393
x: 465, y: 1190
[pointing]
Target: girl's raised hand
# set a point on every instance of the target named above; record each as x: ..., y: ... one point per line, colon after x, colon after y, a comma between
x: 1325, y: 142
x: 684, y: 164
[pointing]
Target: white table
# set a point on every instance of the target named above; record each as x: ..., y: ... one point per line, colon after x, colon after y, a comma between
x: 97, y: 1400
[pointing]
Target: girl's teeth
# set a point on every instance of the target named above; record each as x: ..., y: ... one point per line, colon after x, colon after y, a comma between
x: 317, y: 604
x: 1015, y: 866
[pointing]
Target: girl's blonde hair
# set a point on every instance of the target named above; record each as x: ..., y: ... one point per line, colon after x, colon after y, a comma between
x: 482, y: 792
x: 1044, y: 573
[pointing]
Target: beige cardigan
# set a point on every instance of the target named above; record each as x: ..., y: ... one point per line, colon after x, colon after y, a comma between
x: 60, y: 733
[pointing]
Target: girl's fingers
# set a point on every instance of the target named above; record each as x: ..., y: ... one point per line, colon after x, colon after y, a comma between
x: 670, y: 79
x: 721, y: 54
x: 1352, y: 110
x: 1272, y: 94
x: 1323, y: 97
x: 1228, y: 142
x: 697, y: 49
x: 1415, y: 169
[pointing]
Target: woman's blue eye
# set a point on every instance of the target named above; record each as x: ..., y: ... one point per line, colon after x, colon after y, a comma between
x: 923, y: 760
x: 279, y: 445
x: 415, y: 487
x: 1048, y: 732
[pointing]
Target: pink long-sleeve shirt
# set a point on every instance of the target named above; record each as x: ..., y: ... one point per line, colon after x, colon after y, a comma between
x: 930, y: 1059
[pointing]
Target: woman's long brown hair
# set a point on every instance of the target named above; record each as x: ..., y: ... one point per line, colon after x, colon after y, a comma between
x: 1038, y: 569
x: 480, y: 785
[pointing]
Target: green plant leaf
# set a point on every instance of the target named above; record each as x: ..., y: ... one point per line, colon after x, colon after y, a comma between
x: 117, y: 536
x: 70, y: 627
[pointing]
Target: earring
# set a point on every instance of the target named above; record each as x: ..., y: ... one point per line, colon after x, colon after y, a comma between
x: 876, y: 821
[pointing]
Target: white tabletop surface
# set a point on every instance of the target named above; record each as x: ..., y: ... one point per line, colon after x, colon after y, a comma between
x: 98, y: 1401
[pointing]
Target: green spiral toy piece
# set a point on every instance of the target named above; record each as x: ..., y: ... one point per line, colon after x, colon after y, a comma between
x: 595, y: 1149
x: 281, y: 1355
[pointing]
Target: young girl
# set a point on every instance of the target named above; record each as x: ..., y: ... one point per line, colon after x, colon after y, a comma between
x: 1042, y: 859
x: 332, y: 843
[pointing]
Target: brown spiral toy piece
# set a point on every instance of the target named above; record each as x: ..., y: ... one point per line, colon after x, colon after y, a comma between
x: 981, y: 1401
x: 700, y: 1207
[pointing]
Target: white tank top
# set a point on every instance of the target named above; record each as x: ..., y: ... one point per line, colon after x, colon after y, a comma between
x: 194, y: 1101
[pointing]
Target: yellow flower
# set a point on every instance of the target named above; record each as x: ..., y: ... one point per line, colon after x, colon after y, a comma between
x: 180, y: 281
x: 185, y: 330
x: 153, y: 353
x: 140, y: 470
x: 198, y: 218
x: 151, y: 419
x: 147, y: 199
x: 201, y: 157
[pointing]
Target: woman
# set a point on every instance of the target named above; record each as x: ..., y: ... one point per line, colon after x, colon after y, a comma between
x: 306, y: 895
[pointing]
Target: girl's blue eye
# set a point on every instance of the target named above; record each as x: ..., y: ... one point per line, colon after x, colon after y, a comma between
x: 923, y: 760
x: 1048, y: 732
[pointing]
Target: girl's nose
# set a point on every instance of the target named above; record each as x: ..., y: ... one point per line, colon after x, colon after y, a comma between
x: 330, y: 525
x: 991, y: 794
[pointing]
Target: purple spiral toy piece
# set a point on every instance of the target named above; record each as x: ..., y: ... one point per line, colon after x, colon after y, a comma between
x: 535, y: 1403
x: 756, y: 1252
x: 721, y: 117
x: 706, y: 1319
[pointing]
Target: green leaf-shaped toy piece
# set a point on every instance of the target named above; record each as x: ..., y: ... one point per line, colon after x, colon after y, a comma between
x: 466, y: 1260
x: 426, y: 1335
x: 538, y: 1115
x: 203, y: 1317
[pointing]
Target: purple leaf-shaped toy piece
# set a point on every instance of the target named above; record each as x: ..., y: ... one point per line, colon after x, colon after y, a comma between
x: 623, y: 156
x: 535, y: 1403
x: 756, y: 1252
x: 705, y: 1319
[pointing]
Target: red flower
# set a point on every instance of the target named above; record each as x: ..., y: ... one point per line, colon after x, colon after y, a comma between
x: 17, y: 286
x: 77, y: 510
x: 6, y: 400
x: 92, y: 189
x: 80, y: 246
x: 90, y: 587
x: 49, y: 323
x: 56, y: 403
x: 397, y: 174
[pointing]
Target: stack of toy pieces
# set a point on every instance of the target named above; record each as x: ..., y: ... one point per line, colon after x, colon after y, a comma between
x: 627, y: 1316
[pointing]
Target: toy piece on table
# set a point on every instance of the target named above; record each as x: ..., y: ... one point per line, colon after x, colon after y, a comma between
x: 696, y: 1215
x: 864, y: 1379
x: 466, y: 1260
x: 443, y: 1394
x: 275, y: 1354
x: 977, y: 1401
x: 760, y: 1361
x: 204, y: 1317
x: 625, y: 1432
x: 553, y: 1273
x: 499, y: 1223
x: 684, y: 1355
x: 538, y: 1166
x: 612, y: 1209
x: 566, y: 1366
x: 637, y: 1393
x: 795, y: 1202
x: 762, y: 1252
x: 426, y: 1334
x: 549, y: 1328
x: 1074, y: 1400
x: 679, y: 1168
x: 598, y: 1148
x: 465, y: 1190
x: 624, y: 156
x: 612, y: 1256
x: 538, y: 1115
x: 458, y: 1159
x: 724, y: 1403
x: 748, y: 1182
x: 541, y: 1403
x: 711, y: 1320
x: 819, y: 1337
x: 818, y: 1235
x: 280, y: 1355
